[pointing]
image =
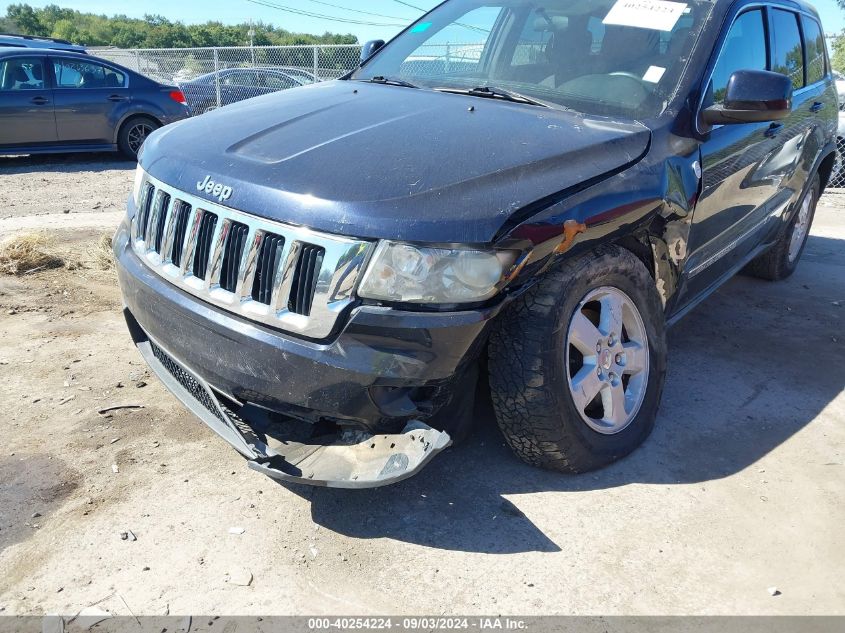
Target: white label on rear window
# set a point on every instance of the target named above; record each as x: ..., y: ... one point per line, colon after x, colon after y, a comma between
x: 658, y: 15
x: 654, y: 74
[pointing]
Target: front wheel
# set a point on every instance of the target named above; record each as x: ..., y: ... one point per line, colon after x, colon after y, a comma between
x: 577, y: 364
x: 134, y: 133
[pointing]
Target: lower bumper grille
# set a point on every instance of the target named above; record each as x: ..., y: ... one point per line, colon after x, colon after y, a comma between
x: 188, y: 382
x: 284, y: 276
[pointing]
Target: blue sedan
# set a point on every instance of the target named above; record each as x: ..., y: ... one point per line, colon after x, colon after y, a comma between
x: 59, y: 101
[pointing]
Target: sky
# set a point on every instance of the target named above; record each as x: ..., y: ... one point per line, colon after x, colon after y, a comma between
x: 236, y: 11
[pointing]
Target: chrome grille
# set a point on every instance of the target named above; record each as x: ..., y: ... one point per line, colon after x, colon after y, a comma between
x: 285, y: 276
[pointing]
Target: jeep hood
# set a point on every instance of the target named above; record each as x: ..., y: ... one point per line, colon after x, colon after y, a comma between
x: 379, y: 161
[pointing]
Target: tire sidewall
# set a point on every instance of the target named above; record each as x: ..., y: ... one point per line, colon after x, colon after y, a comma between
x: 621, y: 274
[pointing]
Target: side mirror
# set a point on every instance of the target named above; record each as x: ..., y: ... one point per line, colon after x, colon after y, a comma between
x: 752, y: 96
x: 371, y: 48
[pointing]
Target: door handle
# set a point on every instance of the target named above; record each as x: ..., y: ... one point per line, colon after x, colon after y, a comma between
x: 117, y: 98
x: 816, y: 107
x: 774, y: 130
x: 40, y: 100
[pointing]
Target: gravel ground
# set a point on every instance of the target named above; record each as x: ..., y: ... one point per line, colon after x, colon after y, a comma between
x: 738, y: 490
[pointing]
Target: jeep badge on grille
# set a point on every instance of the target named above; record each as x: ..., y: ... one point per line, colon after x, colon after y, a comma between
x: 219, y: 191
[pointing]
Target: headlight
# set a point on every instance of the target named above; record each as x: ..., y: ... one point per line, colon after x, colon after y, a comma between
x: 139, y: 180
x: 408, y: 273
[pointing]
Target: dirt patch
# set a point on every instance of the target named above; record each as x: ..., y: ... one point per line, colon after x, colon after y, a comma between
x: 69, y: 183
x: 33, y: 486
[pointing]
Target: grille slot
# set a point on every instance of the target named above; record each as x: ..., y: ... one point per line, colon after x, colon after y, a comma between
x: 160, y: 213
x: 182, y: 211
x: 288, y: 277
x: 232, y: 254
x: 269, y: 259
x: 146, y: 205
x: 305, y: 279
x: 203, y: 248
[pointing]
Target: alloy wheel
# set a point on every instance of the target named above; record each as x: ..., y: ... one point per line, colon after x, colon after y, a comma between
x: 607, y: 359
x: 138, y: 133
x: 801, y: 228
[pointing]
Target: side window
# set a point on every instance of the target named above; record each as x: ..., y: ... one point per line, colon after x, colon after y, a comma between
x: 21, y: 73
x: 279, y: 82
x: 744, y: 49
x: 71, y: 73
x: 814, y: 43
x: 240, y: 79
x: 787, y: 54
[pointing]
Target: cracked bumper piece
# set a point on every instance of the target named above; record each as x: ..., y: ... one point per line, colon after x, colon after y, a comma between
x: 356, y: 460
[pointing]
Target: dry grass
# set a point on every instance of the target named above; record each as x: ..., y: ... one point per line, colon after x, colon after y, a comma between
x: 27, y: 253
x: 103, y: 253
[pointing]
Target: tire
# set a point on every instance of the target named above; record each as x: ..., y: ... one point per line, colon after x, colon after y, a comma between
x: 133, y: 133
x: 532, y: 363
x: 781, y: 260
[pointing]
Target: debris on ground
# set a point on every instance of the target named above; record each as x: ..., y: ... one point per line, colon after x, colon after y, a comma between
x: 774, y: 591
x: 27, y: 253
x: 103, y: 254
x: 236, y: 530
x: 90, y: 617
x: 115, y: 469
x: 239, y: 577
x: 118, y: 407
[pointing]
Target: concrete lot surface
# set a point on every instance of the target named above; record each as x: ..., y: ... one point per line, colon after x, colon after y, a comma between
x: 739, y: 489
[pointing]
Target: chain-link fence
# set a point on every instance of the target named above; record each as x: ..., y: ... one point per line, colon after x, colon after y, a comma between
x: 214, y: 77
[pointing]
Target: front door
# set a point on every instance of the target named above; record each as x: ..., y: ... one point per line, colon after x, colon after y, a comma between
x: 26, y: 103
x: 747, y: 167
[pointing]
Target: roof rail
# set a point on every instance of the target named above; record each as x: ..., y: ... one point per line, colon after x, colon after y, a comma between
x: 34, y: 38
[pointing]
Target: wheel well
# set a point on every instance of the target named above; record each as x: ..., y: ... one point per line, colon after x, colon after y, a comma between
x: 132, y: 117
x: 826, y: 168
x: 641, y: 249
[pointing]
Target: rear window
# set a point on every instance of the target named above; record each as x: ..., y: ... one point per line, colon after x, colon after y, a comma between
x: 21, y: 73
x: 814, y: 43
x: 787, y: 53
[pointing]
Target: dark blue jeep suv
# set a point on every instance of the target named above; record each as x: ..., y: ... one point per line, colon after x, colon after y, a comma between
x: 61, y: 101
x: 514, y: 195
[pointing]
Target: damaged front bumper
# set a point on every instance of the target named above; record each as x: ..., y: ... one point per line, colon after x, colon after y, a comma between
x: 368, y: 396
x: 351, y: 459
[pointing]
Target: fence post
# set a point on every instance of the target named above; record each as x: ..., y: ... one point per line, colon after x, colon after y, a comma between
x: 217, y: 76
x: 316, y: 63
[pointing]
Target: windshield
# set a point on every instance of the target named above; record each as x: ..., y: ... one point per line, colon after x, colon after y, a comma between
x: 603, y: 57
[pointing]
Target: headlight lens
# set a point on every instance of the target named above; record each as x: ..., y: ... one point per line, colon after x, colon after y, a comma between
x: 408, y: 273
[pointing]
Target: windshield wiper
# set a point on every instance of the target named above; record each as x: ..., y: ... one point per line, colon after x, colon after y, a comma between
x: 489, y: 92
x: 390, y: 81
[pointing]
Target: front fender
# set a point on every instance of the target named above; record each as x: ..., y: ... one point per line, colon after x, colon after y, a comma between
x: 647, y: 208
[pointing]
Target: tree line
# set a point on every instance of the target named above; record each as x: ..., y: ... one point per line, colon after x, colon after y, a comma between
x: 153, y: 31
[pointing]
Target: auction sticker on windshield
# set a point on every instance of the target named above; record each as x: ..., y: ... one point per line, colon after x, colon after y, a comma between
x: 658, y: 15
